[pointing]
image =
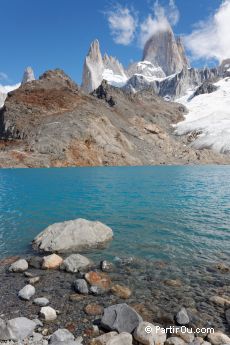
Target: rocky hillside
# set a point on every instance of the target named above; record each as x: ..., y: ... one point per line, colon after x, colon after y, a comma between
x: 52, y: 122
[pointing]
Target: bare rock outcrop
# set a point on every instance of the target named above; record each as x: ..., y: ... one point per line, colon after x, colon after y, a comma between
x: 28, y: 75
x: 164, y: 50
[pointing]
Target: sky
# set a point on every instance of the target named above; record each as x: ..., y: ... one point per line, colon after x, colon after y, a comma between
x: 47, y: 34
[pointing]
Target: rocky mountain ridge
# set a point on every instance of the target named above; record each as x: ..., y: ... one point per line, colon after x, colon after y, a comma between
x: 53, y: 122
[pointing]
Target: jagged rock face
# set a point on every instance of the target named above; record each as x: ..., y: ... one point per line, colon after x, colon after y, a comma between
x: 175, y: 85
x: 113, y: 64
x: 97, y: 68
x: 162, y: 49
x: 93, y: 68
x: 28, y: 75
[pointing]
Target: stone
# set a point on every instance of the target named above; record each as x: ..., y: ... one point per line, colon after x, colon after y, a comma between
x: 221, y: 301
x: 75, y: 263
x: 97, y: 291
x: 182, y: 317
x: 107, y: 266
x: 27, y: 292
x: 175, y: 341
x: 103, y: 339
x: 227, y: 316
x: 33, y: 280
x: 99, y: 279
x: 52, y: 261
x: 41, y: 302
x: 121, y: 291
x: 218, y: 338
x: 20, y: 265
x: 75, y: 297
x: 48, y: 313
x: 94, y: 309
x: 120, y: 318
x: 73, y: 235
x: 80, y: 286
x: 16, y: 329
x: 173, y: 282
x: 35, y: 262
x: 62, y: 336
x: 121, y: 339
x: 154, y: 336
x: 188, y: 337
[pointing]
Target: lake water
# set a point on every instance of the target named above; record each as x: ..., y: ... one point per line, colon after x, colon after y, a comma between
x: 177, y: 214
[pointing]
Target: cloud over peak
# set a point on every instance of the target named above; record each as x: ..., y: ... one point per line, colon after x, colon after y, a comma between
x: 122, y: 23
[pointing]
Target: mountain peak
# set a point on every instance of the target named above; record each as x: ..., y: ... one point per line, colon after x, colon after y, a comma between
x: 28, y: 75
x: 164, y: 50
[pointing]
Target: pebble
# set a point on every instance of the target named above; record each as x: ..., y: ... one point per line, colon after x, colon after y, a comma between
x: 154, y: 336
x: 94, y: 309
x: 102, y: 280
x: 80, y: 285
x: 120, y: 318
x: 121, y: 291
x: 48, y: 313
x: 20, y: 265
x: 182, y: 317
x: 52, y: 261
x: 27, y: 292
x: 218, y: 338
x: 33, y: 280
x: 41, y: 302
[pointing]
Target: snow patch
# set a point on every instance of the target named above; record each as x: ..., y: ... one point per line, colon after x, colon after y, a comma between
x: 113, y: 79
x: 209, y: 114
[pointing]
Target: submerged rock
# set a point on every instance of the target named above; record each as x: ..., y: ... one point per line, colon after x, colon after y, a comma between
x: 73, y: 235
x: 182, y: 317
x: 120, y: 318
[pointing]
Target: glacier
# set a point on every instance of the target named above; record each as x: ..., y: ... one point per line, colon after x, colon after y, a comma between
x: 208, y: 118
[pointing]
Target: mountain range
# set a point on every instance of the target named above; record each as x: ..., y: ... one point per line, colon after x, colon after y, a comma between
x: 156, y: 111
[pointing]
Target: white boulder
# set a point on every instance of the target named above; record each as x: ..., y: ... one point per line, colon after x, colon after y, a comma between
x: 73, y: 235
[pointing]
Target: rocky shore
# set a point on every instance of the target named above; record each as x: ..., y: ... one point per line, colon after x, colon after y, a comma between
x: 67, y: 298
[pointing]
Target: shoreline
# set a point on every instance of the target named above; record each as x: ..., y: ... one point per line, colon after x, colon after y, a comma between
x: 139, y: 284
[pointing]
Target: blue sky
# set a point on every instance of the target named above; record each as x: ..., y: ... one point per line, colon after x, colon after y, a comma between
x: 48, y: 34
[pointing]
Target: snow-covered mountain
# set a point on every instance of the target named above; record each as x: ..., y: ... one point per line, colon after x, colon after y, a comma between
x: 165, y: 69
x: 28, y: 76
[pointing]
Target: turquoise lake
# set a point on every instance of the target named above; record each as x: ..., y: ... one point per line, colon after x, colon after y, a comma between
x: 179, y: 214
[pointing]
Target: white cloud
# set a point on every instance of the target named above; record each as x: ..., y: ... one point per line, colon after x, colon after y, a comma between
x: 211, y: 39
x: 3, y: 76
x: 159, y: 21
x: 122, y: 23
